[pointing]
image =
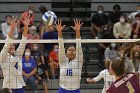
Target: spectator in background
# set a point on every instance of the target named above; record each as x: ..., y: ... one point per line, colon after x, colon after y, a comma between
x: 132, y: 15
x: 122, y: 29
x: 6, y: 28
x: 29, y: 69
x: 32, y: 35
x: 111, y: 52
x: 42, y: 9
x: 42, y: 75
x: 6, y: 90
x: 136, y: 60
x: 53, y: 60
x: 136, y: 27
x: 40, y: 26
x: 99, y: 20
x: 133, y: 50
x: 30, y: 13
x: 49, y: 34
x: 129, y: 66
x: 114, y: 16
x: 37, y: 53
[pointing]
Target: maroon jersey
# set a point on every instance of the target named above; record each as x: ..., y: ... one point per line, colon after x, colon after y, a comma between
x: 126, y: 84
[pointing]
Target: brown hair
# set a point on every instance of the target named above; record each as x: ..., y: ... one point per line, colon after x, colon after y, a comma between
x: 68, y: 46
x: 118, y: 66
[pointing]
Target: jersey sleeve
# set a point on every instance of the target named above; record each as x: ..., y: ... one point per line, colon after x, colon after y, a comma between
x: 99, y: 77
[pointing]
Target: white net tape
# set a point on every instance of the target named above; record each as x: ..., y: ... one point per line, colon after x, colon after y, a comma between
x: 72, y: 41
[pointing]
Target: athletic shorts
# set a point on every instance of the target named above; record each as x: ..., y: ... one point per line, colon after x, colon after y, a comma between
x: 61, y: 90
x: 21, y: 90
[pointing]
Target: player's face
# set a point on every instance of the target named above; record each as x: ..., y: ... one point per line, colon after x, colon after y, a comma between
x: 71, y: 53
x: 11, y: 49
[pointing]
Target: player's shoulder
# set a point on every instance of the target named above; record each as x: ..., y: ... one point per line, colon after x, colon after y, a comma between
x: 130, y: 74
x: 105, y: 71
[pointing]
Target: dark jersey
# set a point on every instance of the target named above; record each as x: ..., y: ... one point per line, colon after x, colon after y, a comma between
x: 41, y: 71
x: 126, y: 84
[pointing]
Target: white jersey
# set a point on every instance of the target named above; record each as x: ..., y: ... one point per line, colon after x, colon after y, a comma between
x: 12, y: 75
x: 132, y: 17
x: 70, y: 72
x: 108, y: 79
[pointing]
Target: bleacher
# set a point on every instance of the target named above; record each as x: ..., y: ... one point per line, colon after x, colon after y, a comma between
x: 67, y: 10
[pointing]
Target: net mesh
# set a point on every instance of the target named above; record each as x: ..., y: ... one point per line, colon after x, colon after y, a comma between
x: 93, y: 58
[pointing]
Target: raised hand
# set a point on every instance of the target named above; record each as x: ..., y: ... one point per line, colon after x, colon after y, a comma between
x: 59, y: 26
x: 26, y: 20
x: 77, y: 25
x: 13, y: 25
x: 13, y: 22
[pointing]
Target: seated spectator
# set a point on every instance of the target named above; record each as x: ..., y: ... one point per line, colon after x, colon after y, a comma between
x: 6, y: 90
x: 53, y: 61
x: 136, y: 60
x: 29, y: 69
x: 37, y: 53
x: 42, y: 75
x: 111, y: 52
x: 50, y: 34
x: 136, y: 27
x: 114, y: 16
x: 32, y: 35
x: 30, y: 13
x: 129, y: 66
x: 6, y: 28
x: 99, y: 20
x: 133, y: 50
x: 122, y: 29
x: 132, y: 15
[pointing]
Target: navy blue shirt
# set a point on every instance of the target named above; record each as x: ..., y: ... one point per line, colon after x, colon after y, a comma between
x: 50, y: 35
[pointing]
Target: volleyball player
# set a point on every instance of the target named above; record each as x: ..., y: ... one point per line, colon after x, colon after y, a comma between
x: 106, y: 75
x: 125, y: 82
x: 70, y: 61
x: 11, y: 59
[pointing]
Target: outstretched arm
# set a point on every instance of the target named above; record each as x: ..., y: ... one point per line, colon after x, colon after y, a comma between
x: 4, y: 52
x: 59, y: 28
x: 21, y: 47
x: 79, y: 52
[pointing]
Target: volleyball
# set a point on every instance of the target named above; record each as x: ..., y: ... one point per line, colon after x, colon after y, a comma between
x: 49, y: 18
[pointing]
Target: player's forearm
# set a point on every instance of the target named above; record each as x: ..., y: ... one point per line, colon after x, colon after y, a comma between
x: 78, y: 34
x: 60, y: 34
x: 25, y: 32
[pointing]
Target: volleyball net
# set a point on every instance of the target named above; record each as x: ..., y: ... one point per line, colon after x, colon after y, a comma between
x: 91, y: 66
x: 73, y: 41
